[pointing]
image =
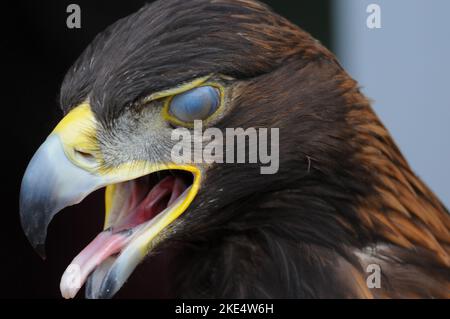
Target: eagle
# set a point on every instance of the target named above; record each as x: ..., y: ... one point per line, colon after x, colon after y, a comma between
x: 343, y: 201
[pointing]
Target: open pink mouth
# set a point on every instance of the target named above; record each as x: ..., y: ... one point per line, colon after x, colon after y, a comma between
x: 134, y: 205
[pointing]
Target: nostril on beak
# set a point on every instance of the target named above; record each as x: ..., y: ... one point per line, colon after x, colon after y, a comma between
x: 85, y: 158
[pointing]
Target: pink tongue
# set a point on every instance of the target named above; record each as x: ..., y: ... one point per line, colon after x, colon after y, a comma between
x: 150, y: 206
x: 104, y: 245
x: 110, y: 242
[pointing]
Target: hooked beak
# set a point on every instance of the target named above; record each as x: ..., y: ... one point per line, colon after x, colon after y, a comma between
x: 51, y: 183
x: 66, y: 168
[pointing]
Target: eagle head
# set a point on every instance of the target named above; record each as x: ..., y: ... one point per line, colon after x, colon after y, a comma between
x: 340, y: 185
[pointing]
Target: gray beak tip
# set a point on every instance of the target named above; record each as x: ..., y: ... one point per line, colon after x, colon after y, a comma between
x: 40, y: 249
x: 36, y: 239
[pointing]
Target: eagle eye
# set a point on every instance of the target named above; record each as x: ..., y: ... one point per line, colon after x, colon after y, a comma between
x: 195, y: 104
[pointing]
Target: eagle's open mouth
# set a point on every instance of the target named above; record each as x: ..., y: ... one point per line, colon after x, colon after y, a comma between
x: 133, y: 209
x: 143, y: 198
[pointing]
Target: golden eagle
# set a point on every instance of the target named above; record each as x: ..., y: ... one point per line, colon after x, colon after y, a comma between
x: 344, y: 197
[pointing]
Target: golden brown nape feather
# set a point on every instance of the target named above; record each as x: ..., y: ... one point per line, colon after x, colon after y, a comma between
x: 405, y: 215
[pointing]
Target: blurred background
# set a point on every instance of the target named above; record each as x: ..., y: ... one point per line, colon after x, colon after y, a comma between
x: 402, y: 66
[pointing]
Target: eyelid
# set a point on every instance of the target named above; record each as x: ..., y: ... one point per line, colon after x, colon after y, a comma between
x: 196, y: 104
x: 177, y: 90
x: 175, y: 121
